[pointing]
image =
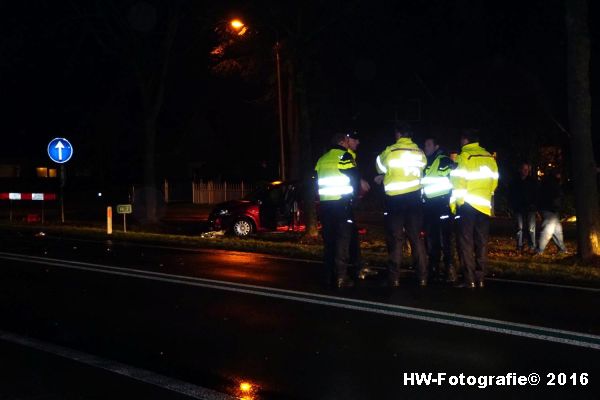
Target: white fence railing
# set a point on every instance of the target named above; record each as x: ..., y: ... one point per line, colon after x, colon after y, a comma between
x: 201, y: 192
x: 212, y: 193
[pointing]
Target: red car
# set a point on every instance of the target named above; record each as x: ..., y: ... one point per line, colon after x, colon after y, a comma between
x: 273, y: 207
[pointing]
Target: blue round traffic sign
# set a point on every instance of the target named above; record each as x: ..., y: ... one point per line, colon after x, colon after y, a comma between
x: 60, y: 150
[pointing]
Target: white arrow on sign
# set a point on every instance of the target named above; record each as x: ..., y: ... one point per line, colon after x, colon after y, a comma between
x: 59, y: 146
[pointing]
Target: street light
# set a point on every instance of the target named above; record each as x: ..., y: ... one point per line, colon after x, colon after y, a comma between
x: 241, y: 28
x: 238, y: 26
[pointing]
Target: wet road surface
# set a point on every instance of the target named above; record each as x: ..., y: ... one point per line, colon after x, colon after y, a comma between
x: 216, y: 319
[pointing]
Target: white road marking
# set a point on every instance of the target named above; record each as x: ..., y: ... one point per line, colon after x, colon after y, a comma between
x: 139, y: 374
x: 460, y: 320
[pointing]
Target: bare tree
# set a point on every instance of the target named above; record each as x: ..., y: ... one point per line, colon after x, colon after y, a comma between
x: 580, y: 108
x: 134, y: 34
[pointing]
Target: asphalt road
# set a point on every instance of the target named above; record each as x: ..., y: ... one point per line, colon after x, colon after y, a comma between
x: 155, y: 322
x: 28, y: 373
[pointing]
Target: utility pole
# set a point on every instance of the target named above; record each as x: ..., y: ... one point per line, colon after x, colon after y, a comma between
x: 280, y: 106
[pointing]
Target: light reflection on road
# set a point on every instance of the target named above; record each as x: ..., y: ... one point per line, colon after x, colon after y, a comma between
x: 246, y: 390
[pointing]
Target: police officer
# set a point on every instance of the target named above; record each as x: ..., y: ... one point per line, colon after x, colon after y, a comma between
x: 436, y: 196
x: 401, y: 168
x: 474, y: 180
x: 337, y: 179
x: 360, y: 270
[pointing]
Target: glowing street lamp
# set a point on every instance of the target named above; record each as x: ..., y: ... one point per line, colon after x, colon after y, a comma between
x: 238, y: 26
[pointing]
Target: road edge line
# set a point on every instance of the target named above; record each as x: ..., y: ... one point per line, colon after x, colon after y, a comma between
x: 139, y: 374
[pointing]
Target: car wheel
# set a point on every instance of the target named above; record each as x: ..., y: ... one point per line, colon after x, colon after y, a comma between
x: 242, y: 227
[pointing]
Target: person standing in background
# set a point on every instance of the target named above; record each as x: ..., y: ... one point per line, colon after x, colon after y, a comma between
x: 522, y: 199
x: 549, y: 204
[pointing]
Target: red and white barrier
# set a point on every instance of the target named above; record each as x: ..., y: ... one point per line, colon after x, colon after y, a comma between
x: 28, y: 196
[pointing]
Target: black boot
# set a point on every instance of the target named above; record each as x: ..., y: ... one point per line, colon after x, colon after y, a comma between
x: 465, y: 285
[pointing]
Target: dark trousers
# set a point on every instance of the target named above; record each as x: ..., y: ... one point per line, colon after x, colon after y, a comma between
x: 404, y: 215
x: 355, y: 255
x: 337, y: 224
x: 473, y: 233
x: 438, y: 234
x: 525, y: 219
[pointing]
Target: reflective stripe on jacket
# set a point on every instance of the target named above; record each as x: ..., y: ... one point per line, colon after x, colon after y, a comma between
x: 436, y: 181
x: 403, y: 164
x: 333, y: 183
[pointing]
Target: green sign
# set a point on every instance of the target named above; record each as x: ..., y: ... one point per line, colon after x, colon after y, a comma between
x: 124, y: 209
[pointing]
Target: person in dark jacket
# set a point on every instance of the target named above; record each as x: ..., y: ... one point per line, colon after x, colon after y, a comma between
x: 436, y: 209
x: 550, y: 201
x: 522, y: 197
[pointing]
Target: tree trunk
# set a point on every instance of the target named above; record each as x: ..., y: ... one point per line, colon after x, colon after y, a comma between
x: 150, y: 170
x: 305, y: 162
x: 300, y: 158
x: 292, y: 124
x: 580, y: 106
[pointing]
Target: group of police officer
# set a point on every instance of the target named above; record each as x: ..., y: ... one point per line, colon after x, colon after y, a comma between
x: 424, y: 191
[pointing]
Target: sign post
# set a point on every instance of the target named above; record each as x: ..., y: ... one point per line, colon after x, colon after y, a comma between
x: 124, y: 209
x: 63, y: 179
x: 60, y: 151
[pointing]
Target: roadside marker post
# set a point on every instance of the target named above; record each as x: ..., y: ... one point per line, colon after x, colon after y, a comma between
x: 109, y: 220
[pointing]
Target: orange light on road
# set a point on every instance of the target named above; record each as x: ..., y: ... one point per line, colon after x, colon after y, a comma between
x: 246, y: 390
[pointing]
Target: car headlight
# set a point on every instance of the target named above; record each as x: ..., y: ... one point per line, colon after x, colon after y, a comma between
x: 223, y: 212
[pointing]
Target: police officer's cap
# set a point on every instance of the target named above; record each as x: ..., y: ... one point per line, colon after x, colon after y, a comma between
x: 352, y: 135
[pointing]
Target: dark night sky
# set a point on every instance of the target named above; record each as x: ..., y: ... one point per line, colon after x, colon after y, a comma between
x: 497, y: 65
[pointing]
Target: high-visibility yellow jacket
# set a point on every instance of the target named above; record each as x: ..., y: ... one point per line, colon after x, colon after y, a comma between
x: 335, y: 173
x: 475, y: 179
x: 403, y: 164
x: 352, y: 153
x: 436, y: 182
